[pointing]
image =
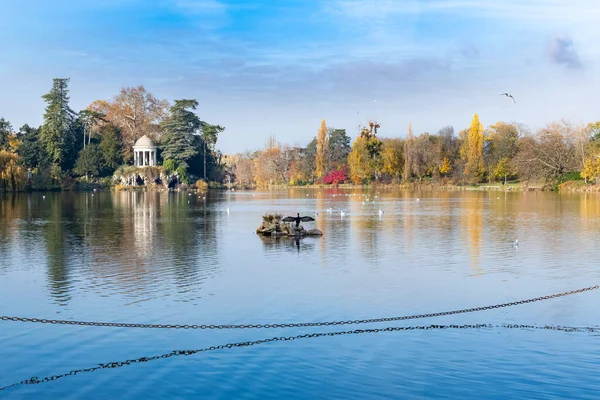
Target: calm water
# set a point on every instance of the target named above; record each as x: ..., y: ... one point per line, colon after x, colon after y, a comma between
x: 174, y: 258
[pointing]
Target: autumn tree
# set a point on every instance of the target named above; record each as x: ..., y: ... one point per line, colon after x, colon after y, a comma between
x: 58, y: 130
x: 136, y: 112
x: 180, y: 127
x: 548, y: 154
x: 359, y: 161
x: 322, y: 151
x: 408, y: 153
x: 271, y: 166
x: 500, y: 149
x: 426, y: 157
x: 472, y: 151
x: 244, y: 171
x: 591, y: 169
x: 12, y: 175
x: 392, y: 157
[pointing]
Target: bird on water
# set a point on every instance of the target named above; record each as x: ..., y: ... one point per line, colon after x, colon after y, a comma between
x: 509, y: 95
x: 298, y: 219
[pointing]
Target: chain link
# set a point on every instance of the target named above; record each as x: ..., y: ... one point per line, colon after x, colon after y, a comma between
x: 296, y: 324
x: 118, y: 364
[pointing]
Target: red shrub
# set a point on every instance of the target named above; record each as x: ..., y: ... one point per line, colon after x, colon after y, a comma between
x: 335, y: 177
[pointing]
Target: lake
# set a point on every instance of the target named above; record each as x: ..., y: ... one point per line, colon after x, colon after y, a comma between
x: 174, y: 258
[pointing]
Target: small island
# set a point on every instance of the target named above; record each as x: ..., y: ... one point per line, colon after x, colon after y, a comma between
x: 272, y: 225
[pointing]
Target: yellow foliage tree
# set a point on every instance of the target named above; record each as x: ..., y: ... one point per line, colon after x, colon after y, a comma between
x: 409, y: 151
x: 591, y: 169
x: 12, y: 175
x: 472, y: 151
x: 392, y: 157
x: 446, y: 167
x: 359, y: 161
x: 322, y: 147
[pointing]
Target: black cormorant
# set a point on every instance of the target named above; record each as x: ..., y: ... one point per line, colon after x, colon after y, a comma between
x: 298, y: 219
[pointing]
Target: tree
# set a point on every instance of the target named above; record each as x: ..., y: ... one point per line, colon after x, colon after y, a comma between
x: 210, y: 135
x: 136, y: 112
x: 500, y: 148
x: 548, y: 154
x: 58, y: 134
x: 178, y: 140
x: 32, y: 153
x: 5, y: 133
x: 446, y: 167
x: 408, y: 153
x: 425, y: 157
x: 307, y: 162
x: 392, y: 157
x: 472, y: 151
x: 12, y: 175
x: 110, y: 147
x: 90, y: 162
x: 339, y: 148
x: 322, y: 150
x: 591, y: 169
x: 360, y: 161
x: 244, y: 171
x: 594, y: 128
x: 90, y: 122
x: 335, y: 177
x: 271, y: 166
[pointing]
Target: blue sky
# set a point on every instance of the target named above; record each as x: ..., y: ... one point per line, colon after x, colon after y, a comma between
x: 279, y: 67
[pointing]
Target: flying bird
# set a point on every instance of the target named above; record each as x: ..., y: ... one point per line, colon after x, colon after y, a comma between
x: 509, y: 95
x: 298, y: 219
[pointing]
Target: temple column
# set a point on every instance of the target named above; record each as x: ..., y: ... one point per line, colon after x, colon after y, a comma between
x: 135, y: 158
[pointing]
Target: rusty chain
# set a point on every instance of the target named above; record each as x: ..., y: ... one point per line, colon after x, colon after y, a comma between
x: 296, y: 324
x: 118, y: 364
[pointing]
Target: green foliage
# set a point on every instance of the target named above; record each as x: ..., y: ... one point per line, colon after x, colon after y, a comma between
x: 58, y: 133
x: 5, y: 132
x: 178, y: 140
x: 90, y: 162
x: 182, y: 173
x: 169, y: 166
x: 110, y: 146
x: 32, y: 152
x: 339, y: 148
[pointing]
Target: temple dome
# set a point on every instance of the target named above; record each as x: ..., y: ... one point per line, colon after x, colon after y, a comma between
x: 144, y: 141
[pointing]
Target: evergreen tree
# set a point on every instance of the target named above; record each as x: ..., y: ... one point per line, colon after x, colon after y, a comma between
x: 339, y: 148
x: 5, y: 132
x: 178, y: 140
x: 58, y: 135
x: 31, y: 151
x: 210, y: 134
x: 110, y: 147
x: 89, y: 162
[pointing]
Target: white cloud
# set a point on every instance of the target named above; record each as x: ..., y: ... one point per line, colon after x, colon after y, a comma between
x: 201, y: 7
x: 559, y: 10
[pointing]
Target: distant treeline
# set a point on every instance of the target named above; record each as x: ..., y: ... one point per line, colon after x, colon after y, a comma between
x: 90, y: 145
x: 502, y: 152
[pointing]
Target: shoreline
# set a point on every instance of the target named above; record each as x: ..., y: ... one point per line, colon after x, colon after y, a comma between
x: 565, y: 187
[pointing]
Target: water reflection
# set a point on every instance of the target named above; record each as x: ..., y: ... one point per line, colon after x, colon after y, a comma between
x: 273, y: 244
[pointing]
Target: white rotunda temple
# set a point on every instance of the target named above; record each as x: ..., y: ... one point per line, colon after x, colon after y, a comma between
x: 144, y: 152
